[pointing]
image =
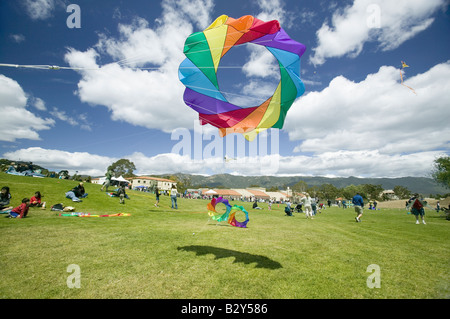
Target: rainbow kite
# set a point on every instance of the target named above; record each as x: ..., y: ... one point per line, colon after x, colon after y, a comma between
x: 229, y: 215
x: 199, y: 74
x: 89, y: 215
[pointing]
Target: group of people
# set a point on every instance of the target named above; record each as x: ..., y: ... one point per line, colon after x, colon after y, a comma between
x: 415, y: 203
x: 173, y: 193
x: 20, y: 211
x: 307, y: 203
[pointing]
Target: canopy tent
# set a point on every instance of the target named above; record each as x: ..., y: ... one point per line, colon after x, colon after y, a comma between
x: 211, y: 192
x: 119, y: 180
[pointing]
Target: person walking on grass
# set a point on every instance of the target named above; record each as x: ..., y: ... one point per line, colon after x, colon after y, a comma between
x: 417, y: 205
x: 173, y: 196
x: 107, y: 181
x: 157, y: 196
x: 358, y: 202
x: 306, y: 200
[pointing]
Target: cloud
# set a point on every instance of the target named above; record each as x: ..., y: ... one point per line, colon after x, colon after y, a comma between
x: 376, y: 114
x: 17, y: 122
x: 388, y: 23
x: 18, y: 38
x: 151, y: 95
x: 56, y: 160
x: 363, y: 163
x: 38, y: 103
x: 331, y: 164
x: 39, y: 9
x: 74, y: 120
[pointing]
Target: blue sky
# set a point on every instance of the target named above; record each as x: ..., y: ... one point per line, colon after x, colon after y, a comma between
x: 122, y: 97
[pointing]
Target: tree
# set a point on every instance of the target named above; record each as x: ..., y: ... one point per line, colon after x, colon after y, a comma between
x: 372, y: 191
x: 441, y: 171
x: 401, y: 192
x: 122, y: 167
x: 329, y: 191
x: 300, y: 187
x: 349, y: 191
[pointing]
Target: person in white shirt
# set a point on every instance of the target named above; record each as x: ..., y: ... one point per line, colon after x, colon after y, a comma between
x: 173, y: 196
x: 306, y: 200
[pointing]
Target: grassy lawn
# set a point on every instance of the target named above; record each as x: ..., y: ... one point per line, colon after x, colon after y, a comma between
x: 165, y: 253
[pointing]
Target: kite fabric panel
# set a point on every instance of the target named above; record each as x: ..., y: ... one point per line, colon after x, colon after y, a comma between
x: 230, y: 213
x: 198, y: 72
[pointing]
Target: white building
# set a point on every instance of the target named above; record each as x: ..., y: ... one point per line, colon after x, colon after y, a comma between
x: 148, y: 182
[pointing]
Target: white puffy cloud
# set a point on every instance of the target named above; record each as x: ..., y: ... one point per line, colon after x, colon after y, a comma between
x: 376, y: 114
x: 38, y: 103
x: 150, y: 96
x: 57, y: 160
x: 361, y: 163
x: 17, y: 122
x: 39, y: 9
x: 388, y: 23
x: 331, y: 164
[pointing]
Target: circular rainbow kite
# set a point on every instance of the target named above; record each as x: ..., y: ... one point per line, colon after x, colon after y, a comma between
x: 229, y: 215
x: 199, y: 74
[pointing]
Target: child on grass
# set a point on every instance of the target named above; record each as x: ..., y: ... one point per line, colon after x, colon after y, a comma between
x: 36, y: 200
x: 20, y: 211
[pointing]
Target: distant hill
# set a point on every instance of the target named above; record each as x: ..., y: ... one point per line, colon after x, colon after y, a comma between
x: 421, y: 185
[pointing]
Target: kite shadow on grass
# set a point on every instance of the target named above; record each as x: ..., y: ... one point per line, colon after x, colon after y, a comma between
x: 246, y: 258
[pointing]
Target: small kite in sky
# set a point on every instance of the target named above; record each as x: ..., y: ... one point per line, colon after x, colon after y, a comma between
x: 198, y: 72
x: 230, y: 213
x: 404, y: 65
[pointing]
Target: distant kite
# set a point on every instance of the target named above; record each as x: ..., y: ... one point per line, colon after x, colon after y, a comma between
x: 230, y: 213
x: 198, y: 73
x: 404, y: 65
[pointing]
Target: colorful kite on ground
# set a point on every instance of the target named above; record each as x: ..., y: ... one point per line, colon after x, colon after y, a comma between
x: 199, y: 74
x: 229, y: 215
x: 404, y: 65
x: 89, y: 215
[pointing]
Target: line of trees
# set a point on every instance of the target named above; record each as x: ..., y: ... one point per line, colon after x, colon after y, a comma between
x: 367, y: 191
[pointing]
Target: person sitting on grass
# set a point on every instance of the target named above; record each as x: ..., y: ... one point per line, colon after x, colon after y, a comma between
x: 76, y: 193
x: 36, y: 200
x: 255, y: 205
x: 122, y: 194
x: 20, y: 211
x: 5, y: 198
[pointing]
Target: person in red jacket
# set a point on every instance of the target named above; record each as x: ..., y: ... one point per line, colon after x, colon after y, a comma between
x: 20, y: 211
x: 36, y: 200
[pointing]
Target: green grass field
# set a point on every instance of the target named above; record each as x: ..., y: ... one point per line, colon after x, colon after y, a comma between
x: 165, y: 253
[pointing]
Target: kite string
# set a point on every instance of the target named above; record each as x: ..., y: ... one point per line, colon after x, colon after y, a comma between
x: 401, y: 77
x: 126, y: 62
